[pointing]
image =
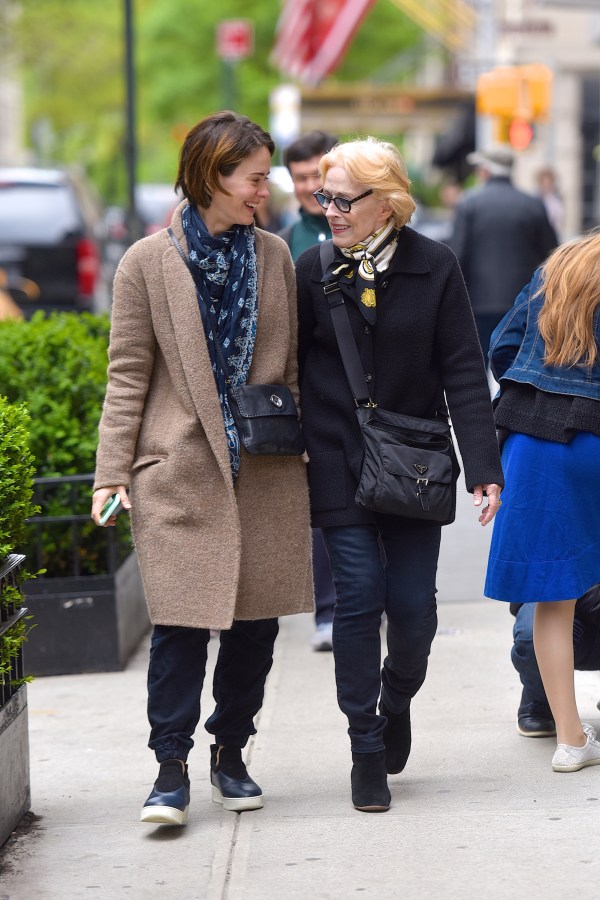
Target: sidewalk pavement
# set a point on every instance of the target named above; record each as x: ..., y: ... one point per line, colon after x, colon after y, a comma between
x: 478, y: 812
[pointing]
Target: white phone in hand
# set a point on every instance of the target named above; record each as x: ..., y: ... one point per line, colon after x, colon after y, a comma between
x: 112, y: 506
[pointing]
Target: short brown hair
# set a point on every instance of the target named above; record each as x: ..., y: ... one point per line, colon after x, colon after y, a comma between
x: 216, y: 146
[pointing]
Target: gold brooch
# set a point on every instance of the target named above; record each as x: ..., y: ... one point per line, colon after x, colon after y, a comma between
x: 368, y: 297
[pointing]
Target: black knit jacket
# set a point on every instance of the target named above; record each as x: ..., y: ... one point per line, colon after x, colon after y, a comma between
x: 551, y: 416
x: 423, y: 345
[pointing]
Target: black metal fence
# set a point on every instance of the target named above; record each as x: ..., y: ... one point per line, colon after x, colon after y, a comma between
x: 10, y: 614
x: 63, y: 540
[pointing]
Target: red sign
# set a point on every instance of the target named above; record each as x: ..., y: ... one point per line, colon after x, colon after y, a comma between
x: 235, y: 39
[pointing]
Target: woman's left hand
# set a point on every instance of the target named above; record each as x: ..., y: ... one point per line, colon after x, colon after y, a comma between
x: 493, y: 498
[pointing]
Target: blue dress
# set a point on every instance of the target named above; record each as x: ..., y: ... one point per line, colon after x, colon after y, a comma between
x: 546, y: 540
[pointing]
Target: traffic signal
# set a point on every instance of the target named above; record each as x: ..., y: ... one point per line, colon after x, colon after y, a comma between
x: 520, y: 134
x: 517, y: 96
x: 523, y: 92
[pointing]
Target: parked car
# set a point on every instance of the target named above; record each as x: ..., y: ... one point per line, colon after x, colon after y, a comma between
x: 52, y: 234
x: 155, y: 204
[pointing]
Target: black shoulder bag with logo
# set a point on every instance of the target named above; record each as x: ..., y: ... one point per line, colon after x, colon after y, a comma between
x: 409, y: 465
x: 265, y: 415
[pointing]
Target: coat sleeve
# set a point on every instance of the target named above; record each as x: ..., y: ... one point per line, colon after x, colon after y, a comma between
x: 291, y: 366
x: 131, y: 360
x: 508, y: 335
x: 306, y: 314
x: 465, y: 384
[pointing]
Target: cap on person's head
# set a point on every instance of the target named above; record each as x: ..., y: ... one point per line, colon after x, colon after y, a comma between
x: 497, y: 160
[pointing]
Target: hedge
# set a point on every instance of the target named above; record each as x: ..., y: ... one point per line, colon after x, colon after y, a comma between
x: 16, y: 476
x: 57, y: 367
x: 16, y: 491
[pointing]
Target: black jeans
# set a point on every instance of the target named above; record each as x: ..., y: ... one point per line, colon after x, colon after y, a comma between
x: 586, y: 651
x: 176, y: 676
x: 486, y: 322
x: 390, y: 568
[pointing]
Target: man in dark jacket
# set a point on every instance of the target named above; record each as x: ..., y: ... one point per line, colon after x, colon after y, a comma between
x: 534, y: 718
x: 302, y: 159
x: 501, y: 235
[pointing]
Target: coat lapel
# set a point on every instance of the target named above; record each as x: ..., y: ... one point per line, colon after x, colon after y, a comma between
x: 191, y: 343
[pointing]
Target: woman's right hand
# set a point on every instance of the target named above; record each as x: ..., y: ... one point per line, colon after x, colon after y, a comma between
x: 100, y: 497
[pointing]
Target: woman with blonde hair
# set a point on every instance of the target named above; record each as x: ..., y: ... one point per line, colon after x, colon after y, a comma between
x: 409, y: 315
x: 546, y: 542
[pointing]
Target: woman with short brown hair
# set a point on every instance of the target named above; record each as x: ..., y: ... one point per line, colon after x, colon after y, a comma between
x: 222, y: 537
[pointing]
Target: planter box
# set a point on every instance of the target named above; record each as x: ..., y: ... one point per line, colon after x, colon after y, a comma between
x: 14, y: 763
x: 83, y: 622
x: 89, y: 623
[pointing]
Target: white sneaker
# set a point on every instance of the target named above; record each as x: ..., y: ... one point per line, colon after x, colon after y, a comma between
x: 322, y: 639
x: 572, y: 759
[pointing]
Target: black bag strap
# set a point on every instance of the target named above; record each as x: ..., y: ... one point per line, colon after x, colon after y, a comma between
x: 343, y: 331
x: 210, y: 318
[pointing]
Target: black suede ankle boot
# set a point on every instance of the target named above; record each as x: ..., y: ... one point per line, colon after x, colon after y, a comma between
x: 397, y: 739
x: 370, y: 792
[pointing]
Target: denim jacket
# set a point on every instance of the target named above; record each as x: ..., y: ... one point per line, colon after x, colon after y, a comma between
x: 517, y: 351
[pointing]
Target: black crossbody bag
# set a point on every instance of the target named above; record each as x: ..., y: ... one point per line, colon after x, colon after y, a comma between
x: 265, y: 415
x: 409, y: 465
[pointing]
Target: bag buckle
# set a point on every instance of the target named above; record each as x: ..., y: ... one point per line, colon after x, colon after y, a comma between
x: 423, y: 493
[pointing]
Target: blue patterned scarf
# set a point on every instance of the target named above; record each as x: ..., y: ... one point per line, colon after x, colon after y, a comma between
x: 224, y: 270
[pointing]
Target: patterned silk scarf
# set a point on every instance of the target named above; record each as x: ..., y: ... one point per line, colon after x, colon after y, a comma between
x: 370, y: 257
x: 225, y: 275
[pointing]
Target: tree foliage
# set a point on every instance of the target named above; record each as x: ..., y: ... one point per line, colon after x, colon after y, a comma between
x: 73, y: 66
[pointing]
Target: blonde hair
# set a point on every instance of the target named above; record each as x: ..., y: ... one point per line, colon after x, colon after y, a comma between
x: 571, y: 288
x: 379, y: 165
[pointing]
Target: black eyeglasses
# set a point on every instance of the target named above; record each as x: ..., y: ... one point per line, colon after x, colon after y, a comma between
x: 342, y: 204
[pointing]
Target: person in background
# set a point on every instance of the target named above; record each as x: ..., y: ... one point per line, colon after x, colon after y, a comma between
x: 222, y: 537
x: 545, y: 548
x: 500, y: 236
x: 549, y: 195
x: 410, y: 317
x: 534, y: 718
x: 302, y: 159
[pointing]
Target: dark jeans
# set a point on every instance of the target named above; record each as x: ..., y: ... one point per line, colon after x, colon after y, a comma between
x: 390, y: 568
x: 486, y: 322
x: 323, y: 580
x: 586, y: 647
x: 176, y: 676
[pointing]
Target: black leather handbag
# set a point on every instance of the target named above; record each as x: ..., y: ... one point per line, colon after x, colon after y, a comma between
x: 409, y: 465
x: 266, y: 419
x: 265, y: 415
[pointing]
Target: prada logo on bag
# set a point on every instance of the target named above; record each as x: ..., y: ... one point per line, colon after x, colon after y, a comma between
x: 420, y: 468
x: 276, y: 401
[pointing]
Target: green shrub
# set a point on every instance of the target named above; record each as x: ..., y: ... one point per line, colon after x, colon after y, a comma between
x: 16, y: 491
x: 57, y: 366
x: 16, y: 476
